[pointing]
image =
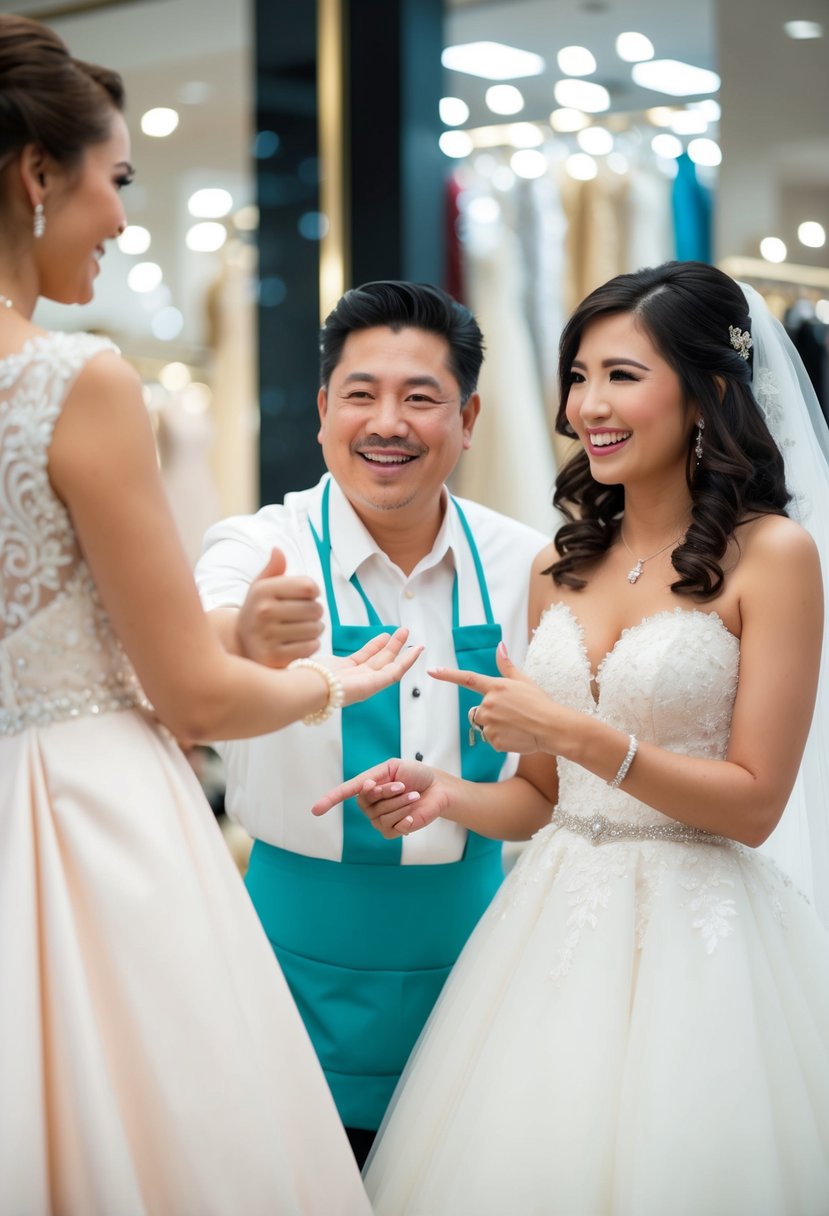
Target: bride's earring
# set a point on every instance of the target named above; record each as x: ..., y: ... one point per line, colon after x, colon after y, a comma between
x: 698, y: 445
x: 38, y: 222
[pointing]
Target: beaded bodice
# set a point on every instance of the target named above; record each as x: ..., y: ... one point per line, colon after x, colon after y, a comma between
x: 670, y: 680
x: 58, y: 654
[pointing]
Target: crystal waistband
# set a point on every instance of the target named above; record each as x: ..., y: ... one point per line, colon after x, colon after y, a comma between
x: 600, y: 828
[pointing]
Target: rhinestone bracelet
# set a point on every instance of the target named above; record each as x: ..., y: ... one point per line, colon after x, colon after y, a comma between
x: 336, y: 692
x: 626, y: 763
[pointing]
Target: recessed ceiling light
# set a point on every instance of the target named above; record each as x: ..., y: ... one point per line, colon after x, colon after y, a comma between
x: 456, y: 144
x: 581, y: 167
x: 206, y: 237
x: 144, y: 276
x: 567, y: 119
x: 582, y: 95
x: 159, y: 122
x: 634, y: 48
x: 576, y: 61
x: 675, y: 78
x: 803, y: 29
x: 811, y: 233
x: 705, y: 152
x: 210, y: 204
x: 689, y: 122
x: 492, y: 61
x: 667, y: 146
x: 524, y: 135
x: 528, y: 163
x: 773, y: 249
x: 453, y: 111
x: 595, y: 140
x: 134, y: 239
x: 504, y: 99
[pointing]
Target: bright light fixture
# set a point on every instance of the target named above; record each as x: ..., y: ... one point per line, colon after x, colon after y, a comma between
x: 567, y: 119
x: 634, y: 48
x: 582, y: 95
x: 581, y: 167
x: 174, y: 376
x: 688, y: 122
x: 595, y: 140
x: 528, y: 163
x: 492, y: 61
x: 660, y: 116
x: 456, y: 144
x: 134, y: 239
x: 709, y: 107
x: 524, y: 135
x: 144, y: 276
x: 159, y: 122
x: 773, y: 249
x: 453, y: 111
x: 822, y: 311
x: 576, y: 61
x: 484, y: 210
x: 206, y: 237
x: 667, y: 146
x: 504, y: 99
x: 803, y: 29
x: 675, y: 78
x: 210, y: 204
x: 811, y: 233
x: 705, y: 152
x: 166, y: 324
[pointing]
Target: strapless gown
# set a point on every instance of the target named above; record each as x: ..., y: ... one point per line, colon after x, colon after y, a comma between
x: 639, y: 1026
x: 151, y: 1057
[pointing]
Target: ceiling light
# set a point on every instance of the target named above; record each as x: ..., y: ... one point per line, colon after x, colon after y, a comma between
x: 675, y: 78
x: 144, y: 276
x: 773, y: 249
x: 567, y: 119
x: 581, y: 167
x: 811, y: 233
x: 453, y: 111
x: 210, y: 204
x: 803, y: 29
x: 484, y: 210
x: 688, y: 122
x: 576, y: 61
x: 455, y: 144
x: 582, y: 95
x: 595, y: 140
x: 504, y: 99
x: 166, y: 324
x: 528, y: 163
x: 524, y: 135
x: 492, y: 60
x: 822, y: 311
x: 134, y: 239
x: 634, y: 48
x: 705, y: 152
x: 159, y: 122
x: 660, y: 116
x: 206, y: 237
x: 174, y: 376
x: 667, y: 145
x: 709, y: 107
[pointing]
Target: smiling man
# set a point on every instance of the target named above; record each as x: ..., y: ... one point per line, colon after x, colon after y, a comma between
x: 366, y: 929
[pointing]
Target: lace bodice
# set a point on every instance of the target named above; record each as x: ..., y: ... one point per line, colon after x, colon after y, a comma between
x: 670, y: 680
x: 58, y: 654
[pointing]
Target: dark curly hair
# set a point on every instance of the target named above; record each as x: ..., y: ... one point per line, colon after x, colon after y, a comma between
x: 48, y: 98
x: 686, y: 309
x: 402, y: 305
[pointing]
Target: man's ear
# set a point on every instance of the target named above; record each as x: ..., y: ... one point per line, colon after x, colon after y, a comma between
x: 469, y: 416
x: 322, y: 409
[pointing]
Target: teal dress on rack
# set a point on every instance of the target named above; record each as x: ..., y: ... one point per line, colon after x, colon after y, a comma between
x: 366, y: 943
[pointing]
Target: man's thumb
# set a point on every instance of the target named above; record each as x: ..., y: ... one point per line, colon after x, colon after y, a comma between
x: 275, y: 565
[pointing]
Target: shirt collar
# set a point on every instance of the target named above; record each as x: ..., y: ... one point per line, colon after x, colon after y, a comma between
x: 352, y: 544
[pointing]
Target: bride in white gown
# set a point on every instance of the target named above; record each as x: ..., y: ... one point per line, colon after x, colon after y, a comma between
x: 640, y: 1023
x: 151, y: 1057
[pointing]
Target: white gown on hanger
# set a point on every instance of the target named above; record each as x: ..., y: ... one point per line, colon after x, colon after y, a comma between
x: 640, y: 1024
x: 151, y: 1057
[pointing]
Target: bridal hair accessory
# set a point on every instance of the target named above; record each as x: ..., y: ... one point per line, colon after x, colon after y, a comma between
x: 698, y: 444
x: 38, y: 222
x: 336, y: 693
x: 633, y: 745
x: 740, y: 340
x: 787, y: 400
x: 634, y: 573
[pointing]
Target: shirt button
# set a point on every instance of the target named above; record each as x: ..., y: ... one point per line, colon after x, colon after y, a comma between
x: 415, y: 692
x: 408, y: 594
x: 418, y: 755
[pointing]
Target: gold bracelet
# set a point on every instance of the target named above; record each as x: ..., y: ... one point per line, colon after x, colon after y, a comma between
x: 626, y: 763
x: 336, y: 692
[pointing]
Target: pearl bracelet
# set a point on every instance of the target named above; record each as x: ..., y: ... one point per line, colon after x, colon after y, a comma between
x: 336, y: 692
x: 626, y: 763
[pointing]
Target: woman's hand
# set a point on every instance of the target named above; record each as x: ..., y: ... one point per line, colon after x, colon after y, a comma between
x: 399, y: 796
x: 379, y: 663
x: 515, y: 714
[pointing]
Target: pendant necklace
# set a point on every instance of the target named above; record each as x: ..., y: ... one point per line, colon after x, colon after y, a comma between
x: 634, y: 573
x: 5, y: 301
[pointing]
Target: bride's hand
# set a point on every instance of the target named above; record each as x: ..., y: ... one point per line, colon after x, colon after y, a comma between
x: 379, y: 663
x: 398, y: 797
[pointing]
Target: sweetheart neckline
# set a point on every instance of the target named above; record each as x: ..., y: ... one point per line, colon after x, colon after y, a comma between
x: 596, y: 677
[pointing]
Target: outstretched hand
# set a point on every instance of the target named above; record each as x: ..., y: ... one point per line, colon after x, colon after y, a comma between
x: 515, y: 715
x: 379, y: 663
x: 398, y: 796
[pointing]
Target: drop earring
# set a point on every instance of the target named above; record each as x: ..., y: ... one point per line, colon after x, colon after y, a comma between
x: 698, y: 445
x: 38, y: 222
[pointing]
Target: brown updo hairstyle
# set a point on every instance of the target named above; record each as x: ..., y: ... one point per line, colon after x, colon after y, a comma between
x: 47, y: 98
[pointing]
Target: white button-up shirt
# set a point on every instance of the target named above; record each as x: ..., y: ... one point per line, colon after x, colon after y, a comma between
x: 273, y: 781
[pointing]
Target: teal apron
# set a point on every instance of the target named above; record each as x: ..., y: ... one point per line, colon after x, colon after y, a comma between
x: 366, y: 943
